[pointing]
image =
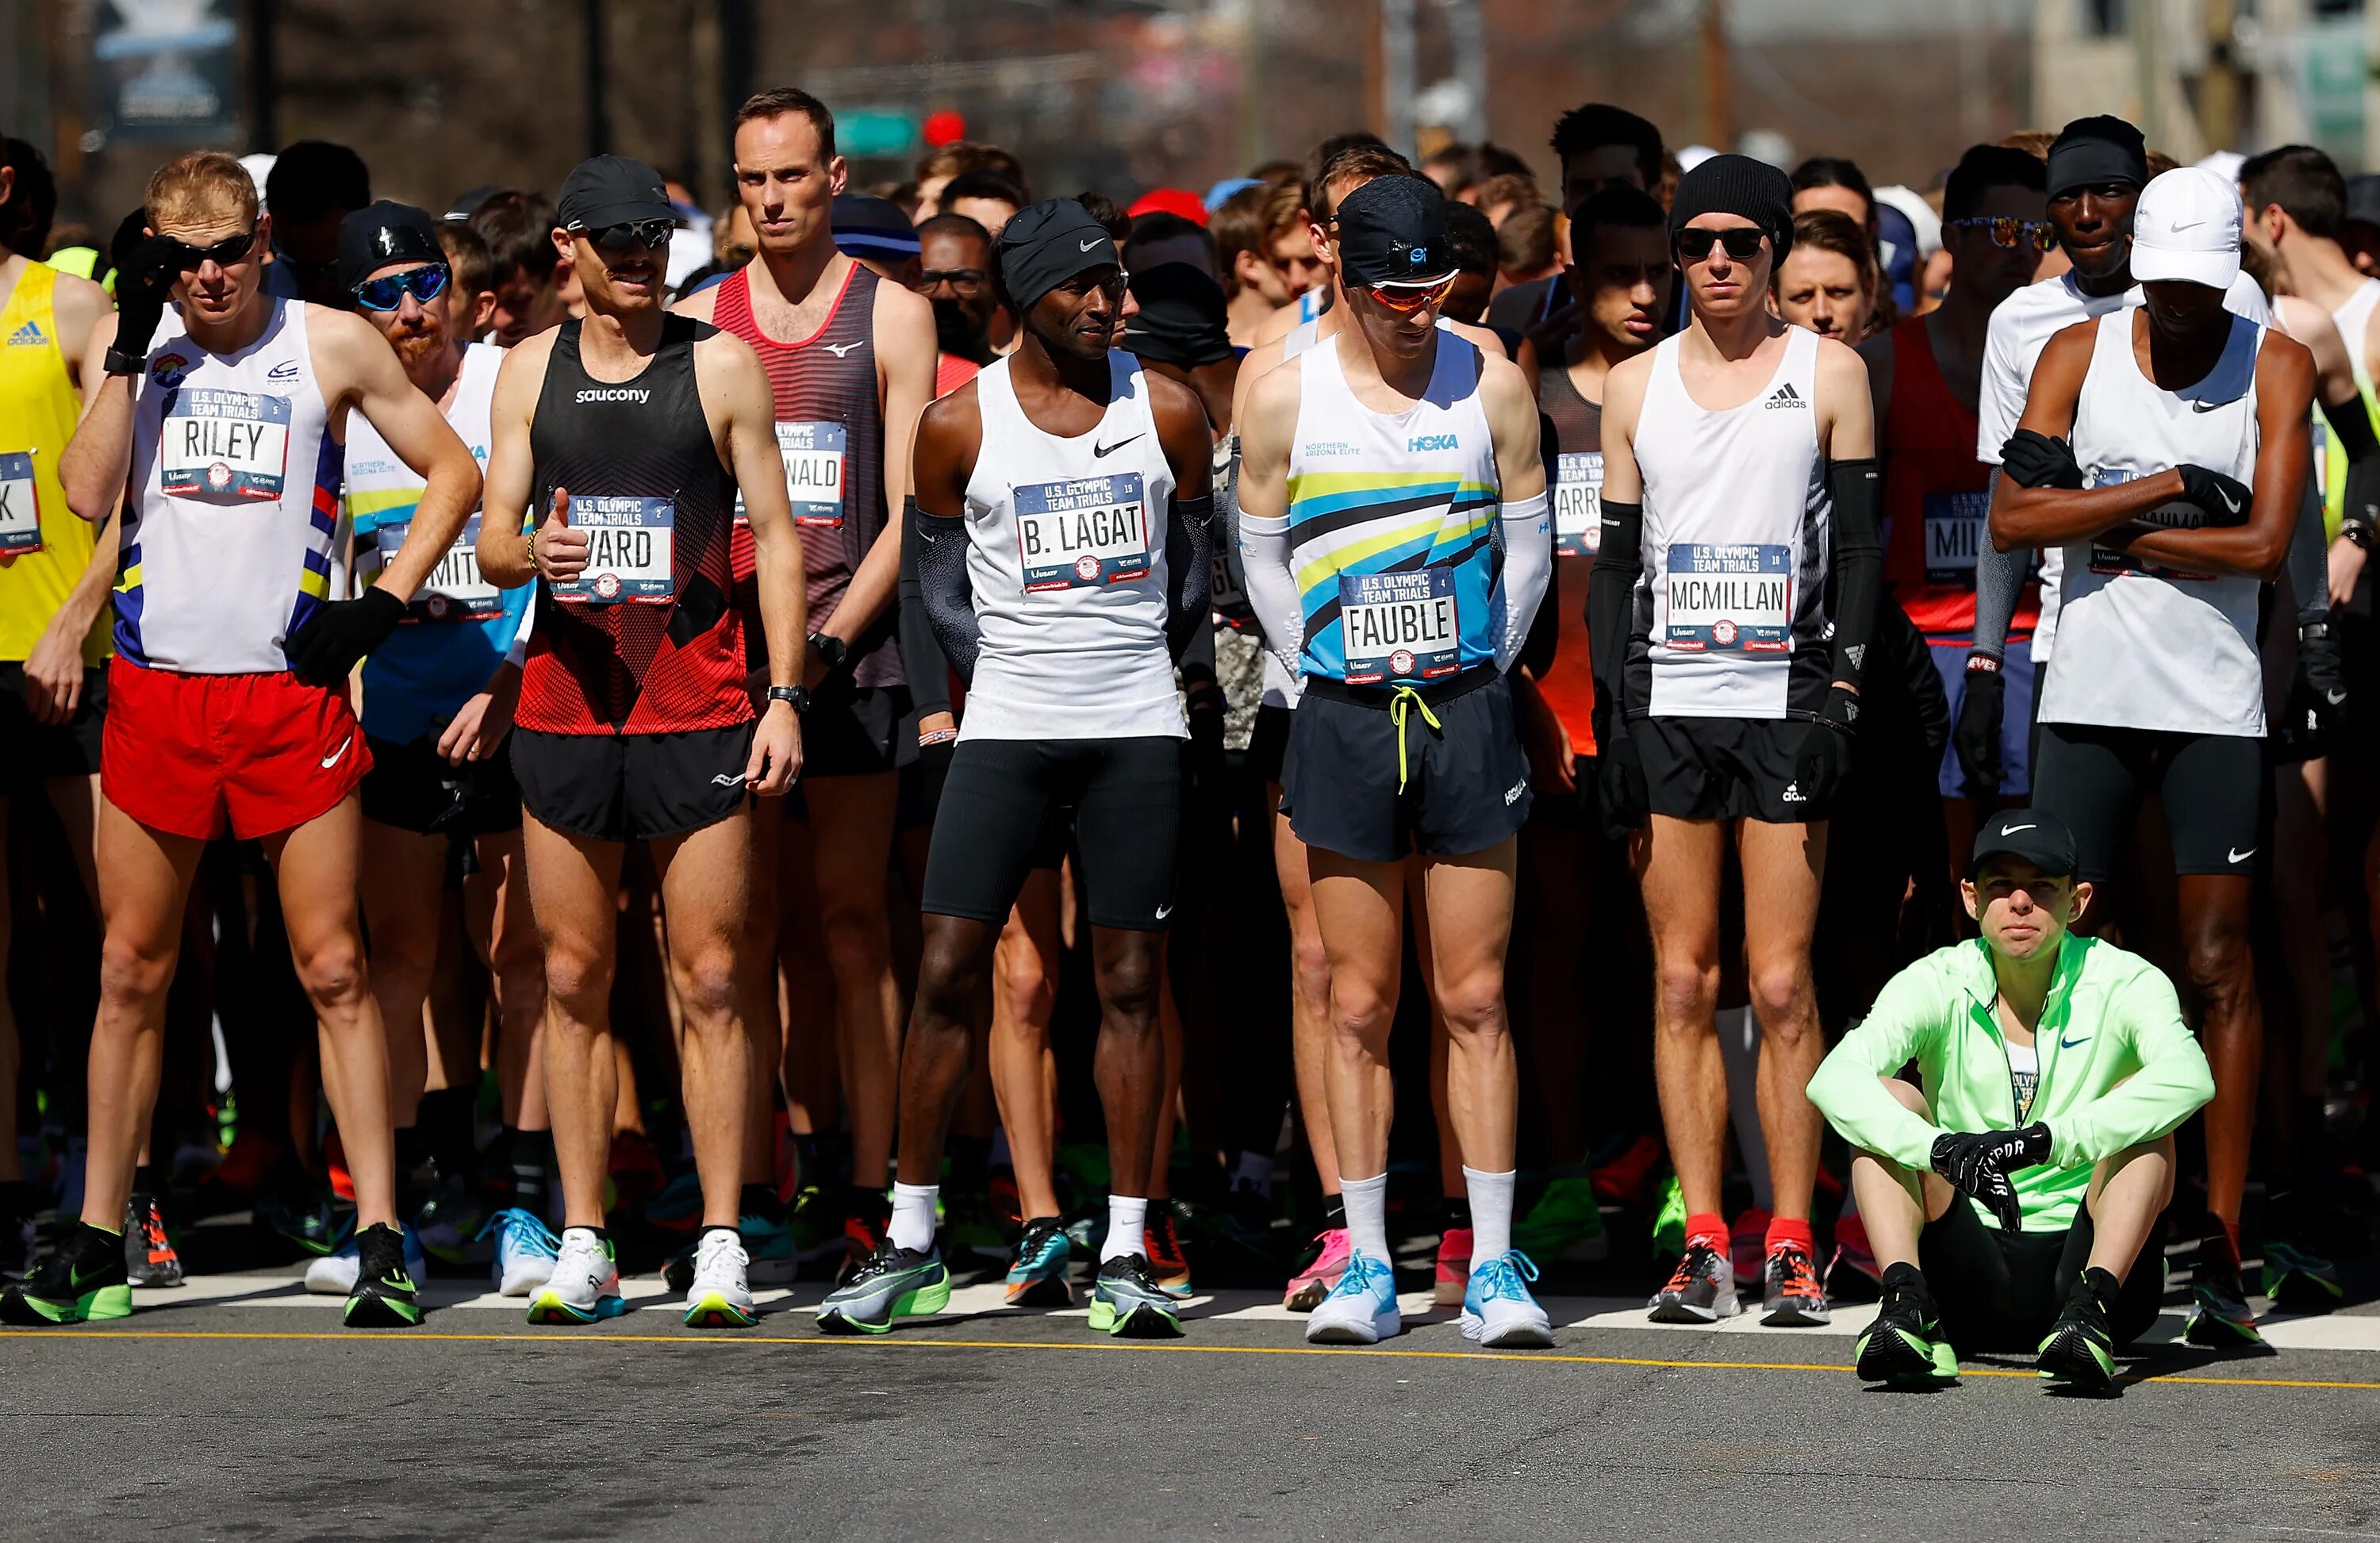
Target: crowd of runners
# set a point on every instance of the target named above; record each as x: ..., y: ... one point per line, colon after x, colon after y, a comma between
x: 891, y: 735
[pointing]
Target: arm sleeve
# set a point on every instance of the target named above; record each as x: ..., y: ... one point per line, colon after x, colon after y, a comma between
x: 2351, y: 424
x: 1859, y: 561
x: 1999, y: 579
x: 1848, y: 1087
x: 1544, y: 644
x: 922, y: 659
x: 517, y: 655
x: 1609, y: 590
x: 1226, y: 530
x: 1272, y: 590
x: 2172, y: 1083
x: 1189, y: 570
x: 2308, y: 559
x: 1528, y: 540
x: 943, y: 589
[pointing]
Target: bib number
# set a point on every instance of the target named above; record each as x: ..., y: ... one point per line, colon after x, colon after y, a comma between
x: 1954, y: 535
x: 814, y: 463
x: 630, y: 551
x: 1082, y: 534
x: 2109, y: 562
x: 1399, y: 627
x: 453, y: 591
x: 219, y: 443
x: 20, y: 509
x: 1578, y: 504
x: 1731, y: 599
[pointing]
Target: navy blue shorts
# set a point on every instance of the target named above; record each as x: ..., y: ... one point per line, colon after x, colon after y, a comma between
x: 1465, y: 784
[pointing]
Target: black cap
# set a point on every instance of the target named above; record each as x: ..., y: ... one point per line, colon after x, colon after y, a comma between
x: 1741, y: 186
x: 1184, y: 318
x: 467, y: 202
x: 1392, y: 230
x: 866, y: 226
x: 2033, y: 835
x: 2363, y: 197
x: 378, y: 235
x: 1045, y: 244
x: 612, y: 190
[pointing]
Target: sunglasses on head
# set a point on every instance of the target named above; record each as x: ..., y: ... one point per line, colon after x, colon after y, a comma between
x: 2007, y: 232
x: 1404, y: 300
x: 651, y: 234
x: 388, y: 291
x: 223, y: 254
x: 1743, y: 242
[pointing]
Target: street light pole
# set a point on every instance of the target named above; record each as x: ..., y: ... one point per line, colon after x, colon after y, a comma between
x: 599, y: 116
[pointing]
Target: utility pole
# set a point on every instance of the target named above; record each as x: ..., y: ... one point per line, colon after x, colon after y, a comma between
x: 1468, y: 32
x: 264, y: 85
x: 599, y: 116
x: 1718, y: 79
x: 2218, y: 90
x: 1397, y: 86
x: 739, y: 42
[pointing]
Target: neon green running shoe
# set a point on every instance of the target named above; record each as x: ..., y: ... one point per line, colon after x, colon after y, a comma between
x: 70, y: 1289
x: 1566, y: 1225
x: 1127, y: 1302
x: 1670, y: 1220
x: 891, y: 1284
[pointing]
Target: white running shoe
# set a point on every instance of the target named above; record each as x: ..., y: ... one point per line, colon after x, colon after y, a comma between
x: 1497, y: 1311
x: 526, y: 1250
x: 585, y: 1284
x: 333, y: 1274
x: 1361, y: 1309
x: 720, y: 1297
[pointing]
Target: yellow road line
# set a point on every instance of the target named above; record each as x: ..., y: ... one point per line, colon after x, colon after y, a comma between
x: 393, y: 1336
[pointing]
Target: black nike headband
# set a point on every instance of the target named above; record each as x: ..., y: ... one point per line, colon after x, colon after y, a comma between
x: 2092, y: 152
x: 1045, y: 244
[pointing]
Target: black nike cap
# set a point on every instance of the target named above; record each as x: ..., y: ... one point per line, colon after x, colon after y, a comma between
x: 612, y: 190
x: 1045, y: 244
x: 2032, y: 836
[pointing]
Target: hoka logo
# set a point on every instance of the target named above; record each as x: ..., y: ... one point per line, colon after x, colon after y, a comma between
x: 26, y: 337
x: 1433, y: 442
x: 1786, y: 396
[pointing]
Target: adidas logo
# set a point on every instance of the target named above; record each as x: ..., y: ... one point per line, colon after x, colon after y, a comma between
x: 1786, y: 396
x: 28, y: 336
x: 1792, y: 794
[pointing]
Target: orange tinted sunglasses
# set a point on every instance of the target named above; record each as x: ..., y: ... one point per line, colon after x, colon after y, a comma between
x: 1404, y: 300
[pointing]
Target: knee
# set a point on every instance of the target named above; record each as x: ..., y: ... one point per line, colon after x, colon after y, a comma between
x: 129, y: 971
x: 948, y: 978
x: 1312, y: 963
x: 1908, y: 1097
x: 1129, y: 984
x: 1023, y: 982
x: 332, y: 972
x: 1685, y: 992
x: 853, y: 924
x: 1779, y: 994
x: 1474, y: 1009
x: 2218, y: 964
x: 707, y: 983
x: 1360, y: 1017
x: 577, y: 979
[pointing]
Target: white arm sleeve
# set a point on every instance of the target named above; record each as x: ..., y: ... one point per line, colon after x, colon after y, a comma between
x: 1528, y: 538
x: 518, y: 655
x: 1272, y: 589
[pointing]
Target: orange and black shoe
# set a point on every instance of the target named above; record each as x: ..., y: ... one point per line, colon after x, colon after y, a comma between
x: 863, y: 1231
x: 1791, y: 1295
x: 149, y: 1256
x: 1167, y: 1265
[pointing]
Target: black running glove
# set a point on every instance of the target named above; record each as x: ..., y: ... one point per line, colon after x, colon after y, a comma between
x: 2223, y: 499
x: 2318, y: 694
x: 1619, y: 790
x: 142, y: 285
x: 1825, y: 752
x: 1978, y: 1164
x: 2033, y: 459
x: 324, y: 650
x: 1977, y: 736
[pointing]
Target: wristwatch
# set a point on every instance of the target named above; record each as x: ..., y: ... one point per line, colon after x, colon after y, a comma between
x: 115, y: 361
x: 797, y: 695
x: 832, y: 651
x: 2358, y: 529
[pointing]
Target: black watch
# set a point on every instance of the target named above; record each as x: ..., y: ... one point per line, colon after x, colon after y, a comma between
x: 797, y: 695
x: 2358, y: 530
x: 115, y: 361
x: 832, y: 651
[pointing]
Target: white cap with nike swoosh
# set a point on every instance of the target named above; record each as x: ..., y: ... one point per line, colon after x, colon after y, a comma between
x: 2187, y: 227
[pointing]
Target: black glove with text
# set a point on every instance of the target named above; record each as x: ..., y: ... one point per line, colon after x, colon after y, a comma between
x: 1826, y: 752
x: 1976, y: 736
x: 1978, y: 1163
x: 143, y: 283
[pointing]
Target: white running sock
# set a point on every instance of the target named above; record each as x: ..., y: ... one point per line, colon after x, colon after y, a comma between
x: 913, y: 1215
x: 1127, y: 1227
x: 1492, y: 1214
x: 1368, y: 1214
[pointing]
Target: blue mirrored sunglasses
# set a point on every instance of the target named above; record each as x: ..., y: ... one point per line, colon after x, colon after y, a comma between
x: 388, y: 291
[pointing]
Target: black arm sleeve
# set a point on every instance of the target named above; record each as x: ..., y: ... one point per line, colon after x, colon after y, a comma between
x: 1545, y: 632
x: 2351, y: 424
x: 944, y: 590
x: 1859, y: 561
x: 1189, y: 570
x: 922, y: 659
x: 1617, y: 565
x: 2307, y: 558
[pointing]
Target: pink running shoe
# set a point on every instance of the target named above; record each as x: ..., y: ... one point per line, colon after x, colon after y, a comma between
x: 1748, y: 1241
x: 1853, y: 1254
x: 1320, y: 1277
x: 1453, y: 1268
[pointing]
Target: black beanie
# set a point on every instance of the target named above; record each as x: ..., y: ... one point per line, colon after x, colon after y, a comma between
x: 1737, y: 185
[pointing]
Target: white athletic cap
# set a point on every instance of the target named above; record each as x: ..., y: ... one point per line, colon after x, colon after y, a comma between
x: 258, y: 166
x: 2187, y: 227
x: 1694, y: 156
x: 2225, y: 164
x: 1922, y: 218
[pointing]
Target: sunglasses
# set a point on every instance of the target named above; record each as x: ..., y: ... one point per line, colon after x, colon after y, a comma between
x: 966, y: 281
x: 1743, y: 242
x: 223, y: 254
x: 651, y: 234
x: 1404, y: 300
x: 388, y: 291
x: 2007, y: 232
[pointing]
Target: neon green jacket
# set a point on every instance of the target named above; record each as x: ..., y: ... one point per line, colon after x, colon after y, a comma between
x: 2117, y: 1067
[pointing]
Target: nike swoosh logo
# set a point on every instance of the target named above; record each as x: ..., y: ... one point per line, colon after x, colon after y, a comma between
x: 1092, y: 242
x: 2335, y: 698
x: 2070, y: 1044
x: 2014, y: 828
x: 1165, y: 910
x: 2206, y: 406
x: 1097, y: 449
x: 2239, y: 856
x: 2230, y: 502
x: 929, y: 540
x: 841, y: 350
x: 332, y: 759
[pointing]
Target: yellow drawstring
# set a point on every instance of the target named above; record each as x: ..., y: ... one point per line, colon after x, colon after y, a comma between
x: 1400, y: 707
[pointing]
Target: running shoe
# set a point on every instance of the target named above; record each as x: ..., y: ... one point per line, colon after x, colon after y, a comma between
x: 863, y: 1238
x: 817, y: 1231
x: 1127, y: 1302
x: 2079, y: 1351
x: 17, y: 1231
x: 892, y: 1284
x: 1670, y: 1220
x: 1748, y: 1242
x: 1169, y: 1265
x: 1040, y: 1274
x: 2299, y: 1278
x: 1361, y: 1309
x: 720, y: 1294
x: 1903, y: 1344
x: 312, y: 1223
x: 149, y: 1256
x: 769, y: 1246
x: 1852, y: 1257
x: 2219, y: 1314
x: 1318, y: 1277
x: 382, y: 1295
x: 1701, y: 1290
x: 678, y: 1207
x: 1497, y: 1311
x: 1565, y: 1225
x: 584, y: 1284
x: 1791, y: 1296
x: 66, y: 1289
x: 1453, y: 1278
x: 452, y: 1221
x: 1627, y: 1180
x: 971, y: 1229
x: 337, y: 1273
x: 526, y: 1251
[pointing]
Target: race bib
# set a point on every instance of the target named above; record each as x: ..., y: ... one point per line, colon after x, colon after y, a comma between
x: 453, y: 591
x: 1578, y: 504
x: 1731, y: 599
x: 1399, y: 627
x: 629, y: 551
x: 220, y: 444
x: 1955, y: 535
x: 813, y: 454
x: 21, y: 514
x: 2111, y: 562
x: 1080, y: 534
x: 1227, y: 597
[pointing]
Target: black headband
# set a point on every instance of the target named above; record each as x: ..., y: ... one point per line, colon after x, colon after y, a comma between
x: 1182, y: 319
x: 2089, y: 152
x: 1045, y: 244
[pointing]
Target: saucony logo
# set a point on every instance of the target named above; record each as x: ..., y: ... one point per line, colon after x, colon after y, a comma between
x: 1097, y: 449
x: 638, y: 394
x: 840, y: 350
x: 727, y: 779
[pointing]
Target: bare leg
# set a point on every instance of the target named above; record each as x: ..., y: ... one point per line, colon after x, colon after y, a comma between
x: 572, y: 882
x: 401, y: 908
x: 851, y: 836
x: 1894, y: 1202
x: 1470, y: 926
x: 1359, y: 908
x: 1679, y: 865
x: 2214, y: 933
x: 1129, y: 1065
x: 1309, y: 998
x: 1782, y: 865
x: 2127, y: 1193
x: 1024, y: 1074
x: 704, y: 876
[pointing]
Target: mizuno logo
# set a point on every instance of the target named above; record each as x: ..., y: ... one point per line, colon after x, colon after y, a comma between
x: 1099, y: 449
x: 1786, y: 396
x: 2239, y: 857
x: 332, y: 759
x: 28, y: 335
x: 638, y: 394
x: 840, y: 350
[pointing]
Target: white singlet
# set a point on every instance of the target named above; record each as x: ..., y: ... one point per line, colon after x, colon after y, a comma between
x: 1066, y: 558
x: 379, y: 483
x: 2144, y: 647
x: 1738, y: 534
x: 2354, y: 319
x: 228, y: 542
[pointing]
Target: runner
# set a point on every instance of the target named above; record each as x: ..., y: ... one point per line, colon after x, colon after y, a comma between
x: 1062, y: 594
x: 224, y: 620
x: 312, y: 187
x: 851, y: 363
x: 1265, y: 252
x: 2157, y: 679
x: 956, y: 279
x: 2010, y: 1192
x: 1598, y: 146
x: 1727, y: 690
x: 1400, y: 590
x: 626, y: 435
x: 535, y: 289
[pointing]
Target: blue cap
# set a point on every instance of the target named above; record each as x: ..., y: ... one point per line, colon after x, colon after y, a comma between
x: 1226, y: 187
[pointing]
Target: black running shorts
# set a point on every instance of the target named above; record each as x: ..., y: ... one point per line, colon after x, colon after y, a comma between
x: 1464, y: 781
x: 631, y: 786
x: 1269, y: 740
x: 1998, y: 1293
x: 2213, y: 787
x: 414, y: 788
x: 1725, y: 768
x: 995, y: 825
x: 853, y: 731
x: 39, y: 752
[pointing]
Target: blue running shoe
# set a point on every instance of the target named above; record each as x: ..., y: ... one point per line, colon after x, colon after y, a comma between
x: 1497, y: 1311
x: 526, y: 1250
x: 768, y: 1243
x: 1043, y: 1273
x: 1361, y: 1309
